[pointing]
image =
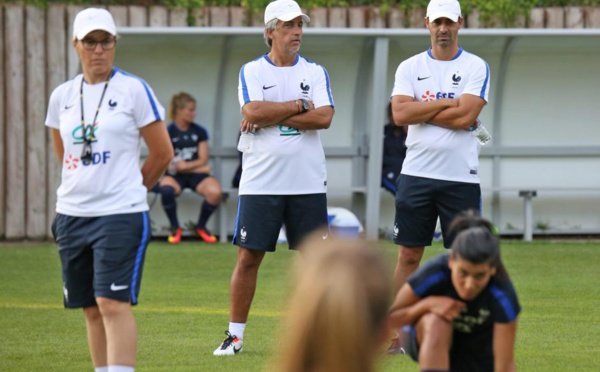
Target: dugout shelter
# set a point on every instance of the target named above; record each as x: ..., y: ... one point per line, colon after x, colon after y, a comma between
x: 540, y: 173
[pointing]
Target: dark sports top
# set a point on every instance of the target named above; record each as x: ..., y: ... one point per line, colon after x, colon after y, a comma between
x: 472, y: 347
x: 185, y: 144
x: 394, y: 149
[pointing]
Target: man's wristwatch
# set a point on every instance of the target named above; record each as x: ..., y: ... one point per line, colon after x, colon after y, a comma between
x: 305, y: 105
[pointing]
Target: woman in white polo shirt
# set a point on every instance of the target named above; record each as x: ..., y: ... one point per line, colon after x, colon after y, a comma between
x: 102, y: 227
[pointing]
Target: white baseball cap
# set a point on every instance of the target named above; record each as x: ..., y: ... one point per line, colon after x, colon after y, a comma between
x: 443, y: 9
x: 92, y: 19
x: 284, y: 10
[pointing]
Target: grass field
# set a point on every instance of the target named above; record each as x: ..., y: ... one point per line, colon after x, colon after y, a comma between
x: 183, y: 309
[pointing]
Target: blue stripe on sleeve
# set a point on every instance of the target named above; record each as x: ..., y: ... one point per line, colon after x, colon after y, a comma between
x: 505, y: 302
x: 328, y: 87
x: 485, y: 82
x: 244, y: 85
x: 150, y: 97
x: 152, y: 102
x: 139, y: 257
x: 428, y: 283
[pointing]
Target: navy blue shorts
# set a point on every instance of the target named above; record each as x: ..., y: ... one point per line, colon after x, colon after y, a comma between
x: 260, y: 217
x: 467, y: 354
x: 101, y: 256
x: 420, y: 201
x: 190, y: 180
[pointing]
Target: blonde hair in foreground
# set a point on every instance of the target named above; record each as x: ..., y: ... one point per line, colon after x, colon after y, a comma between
x: 337, y: 313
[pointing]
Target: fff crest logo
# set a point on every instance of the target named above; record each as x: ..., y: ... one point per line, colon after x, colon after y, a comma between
x: 89, y: 132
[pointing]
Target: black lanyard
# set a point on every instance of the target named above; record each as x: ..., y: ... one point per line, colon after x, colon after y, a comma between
x: 86, y: 138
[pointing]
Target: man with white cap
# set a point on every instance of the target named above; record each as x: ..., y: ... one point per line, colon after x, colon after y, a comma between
x: 439, y: 95
x: 285, y: 100
x: 102, y: 226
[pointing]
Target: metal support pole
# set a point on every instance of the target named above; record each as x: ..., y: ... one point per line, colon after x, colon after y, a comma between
x: 528, y: 196
x: 500, y: 85
x: 380, y: 65
x: 223, y: 238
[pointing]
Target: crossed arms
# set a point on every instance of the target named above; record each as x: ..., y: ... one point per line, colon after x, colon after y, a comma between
x: 262, y: 114
x: 446, y: 112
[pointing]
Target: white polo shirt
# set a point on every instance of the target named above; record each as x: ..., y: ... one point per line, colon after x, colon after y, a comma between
x: 434, y: 152
x: 112, y: 182
x: 284, y: 160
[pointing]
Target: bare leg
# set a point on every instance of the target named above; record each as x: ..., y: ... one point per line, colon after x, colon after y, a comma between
x: 210, y: 188
x: 96, y: 336
x: 434, y: 335
x: 409, y: 259
x: 121, y: 331
x: 243, y: 283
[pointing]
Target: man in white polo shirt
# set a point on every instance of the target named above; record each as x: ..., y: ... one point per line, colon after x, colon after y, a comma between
x: 285, y: 99
x: 439, y: 95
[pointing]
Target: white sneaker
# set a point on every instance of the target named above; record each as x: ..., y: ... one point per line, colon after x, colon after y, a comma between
x: 395, y: 347
x: 231, y: 345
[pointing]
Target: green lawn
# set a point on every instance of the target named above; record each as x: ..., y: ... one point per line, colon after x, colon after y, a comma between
x: 183, y: 309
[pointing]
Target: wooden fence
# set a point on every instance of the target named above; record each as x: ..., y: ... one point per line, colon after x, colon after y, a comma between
x: 36, y: 56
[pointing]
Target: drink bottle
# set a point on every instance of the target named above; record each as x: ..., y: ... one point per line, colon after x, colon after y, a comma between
x: 480, y: 133
x: 172, y: 169
x: 245, y: 141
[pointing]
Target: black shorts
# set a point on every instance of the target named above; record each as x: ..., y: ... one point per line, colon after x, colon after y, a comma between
x: 190, y: 180
x: 467, y: 354
x: 101, y: 256
x: 260, y: 217
x: 420, y: 201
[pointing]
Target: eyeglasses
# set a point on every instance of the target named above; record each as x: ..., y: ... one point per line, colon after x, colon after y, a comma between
x: 106, y: 44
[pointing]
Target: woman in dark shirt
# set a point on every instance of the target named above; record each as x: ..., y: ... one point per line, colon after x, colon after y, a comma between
x: 461, y: 307
x: 189, y: 168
